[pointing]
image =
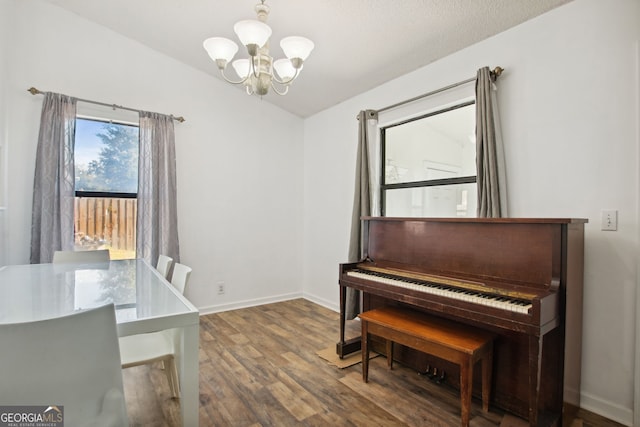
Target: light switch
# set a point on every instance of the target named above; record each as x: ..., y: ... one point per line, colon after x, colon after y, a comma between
x: 609, y: 220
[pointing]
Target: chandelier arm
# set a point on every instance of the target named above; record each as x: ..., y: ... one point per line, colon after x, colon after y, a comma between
x: 242, y: 81
x: 275, y: 89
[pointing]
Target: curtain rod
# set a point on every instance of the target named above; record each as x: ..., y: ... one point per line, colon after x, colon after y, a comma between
x: 495, y: 73
x: 35, y: 91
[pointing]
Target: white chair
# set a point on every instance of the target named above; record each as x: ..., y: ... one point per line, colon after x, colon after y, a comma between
x: 164, y: 265
x: 180, y: 277
x: 143, y: 349
x: 72, y: 361
x: 95, y: 256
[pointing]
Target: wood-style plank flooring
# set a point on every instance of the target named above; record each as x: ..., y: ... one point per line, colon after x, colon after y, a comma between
x: 259, y: 367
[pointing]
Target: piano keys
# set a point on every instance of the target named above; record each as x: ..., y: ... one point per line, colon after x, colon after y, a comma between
x: 520, y: 278
x: 447, y: 288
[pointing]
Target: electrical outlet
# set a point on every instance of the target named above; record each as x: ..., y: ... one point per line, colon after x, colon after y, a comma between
x: 609, y: 220
x: 220, y: 288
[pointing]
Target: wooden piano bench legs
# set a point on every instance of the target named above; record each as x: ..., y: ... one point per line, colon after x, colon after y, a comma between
x: 454, y: 342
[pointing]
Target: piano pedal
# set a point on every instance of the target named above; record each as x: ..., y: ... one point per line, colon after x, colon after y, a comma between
x: 427, y: 372
x: 434, y: 375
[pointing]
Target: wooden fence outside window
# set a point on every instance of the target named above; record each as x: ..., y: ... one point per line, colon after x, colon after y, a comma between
x: 106, y: 223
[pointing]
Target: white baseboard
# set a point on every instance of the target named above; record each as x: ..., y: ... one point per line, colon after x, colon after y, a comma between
x: 607, y: 409
x: 218, y: 308
x: 321, y: 301
x: 261, y: 301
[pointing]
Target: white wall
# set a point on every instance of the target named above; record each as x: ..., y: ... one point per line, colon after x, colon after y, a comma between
x: 239, y: 159
x: 569, y: 108
x: 4, y: 35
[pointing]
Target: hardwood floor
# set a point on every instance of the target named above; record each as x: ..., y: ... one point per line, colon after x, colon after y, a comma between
x: 259, y: 367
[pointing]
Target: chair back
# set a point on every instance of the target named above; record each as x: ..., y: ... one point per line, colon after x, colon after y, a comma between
x: 164, y: 265
x: 180, y: 277
x: 71, y: 361
x: 100, y: 255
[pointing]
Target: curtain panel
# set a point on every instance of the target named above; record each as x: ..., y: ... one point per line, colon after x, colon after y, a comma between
x: 54, y: 179
x: 490, y: 163
x: 157, y: 222
x: 362, y: 203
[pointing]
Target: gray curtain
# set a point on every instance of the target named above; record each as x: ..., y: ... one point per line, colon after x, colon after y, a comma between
x: 361, y: 204
x: 492, y: 190
x: 53, y: 185
x: 157, y: 226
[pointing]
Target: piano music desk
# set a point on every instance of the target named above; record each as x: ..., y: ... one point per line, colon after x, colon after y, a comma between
x: 454, y: 342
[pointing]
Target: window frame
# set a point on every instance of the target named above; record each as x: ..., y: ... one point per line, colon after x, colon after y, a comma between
x: 470, y: 179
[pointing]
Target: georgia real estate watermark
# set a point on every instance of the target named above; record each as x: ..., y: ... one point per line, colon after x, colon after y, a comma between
x: 32, y: 416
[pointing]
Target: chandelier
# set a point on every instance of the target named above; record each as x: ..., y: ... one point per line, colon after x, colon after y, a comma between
x: 256, y: 73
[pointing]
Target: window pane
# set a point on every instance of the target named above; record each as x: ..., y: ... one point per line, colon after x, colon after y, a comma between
x: 434, y: 147
x: 106, y: 157
x: 457, y: 200
x: 106, y: 161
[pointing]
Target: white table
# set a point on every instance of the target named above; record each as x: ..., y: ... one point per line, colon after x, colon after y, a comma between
x: 143, y: 299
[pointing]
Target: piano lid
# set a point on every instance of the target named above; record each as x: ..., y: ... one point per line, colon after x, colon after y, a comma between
x: 518, y: 251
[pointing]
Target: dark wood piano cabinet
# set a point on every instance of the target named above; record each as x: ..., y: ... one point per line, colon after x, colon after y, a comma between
x: 520, y: 278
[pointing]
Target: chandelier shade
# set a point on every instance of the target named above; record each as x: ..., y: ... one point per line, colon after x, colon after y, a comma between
x: 260, y: 72
x: 251, y: 31
x: 242, y: 67
x: 284, y: 68
x: 220, y: 48
x: 296, y: 47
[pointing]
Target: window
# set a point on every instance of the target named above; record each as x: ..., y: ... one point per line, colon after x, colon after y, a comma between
x: 428, y: 164
x: 106, y: 186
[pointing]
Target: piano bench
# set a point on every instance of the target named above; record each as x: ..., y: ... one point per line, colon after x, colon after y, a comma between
x: 451, y: 341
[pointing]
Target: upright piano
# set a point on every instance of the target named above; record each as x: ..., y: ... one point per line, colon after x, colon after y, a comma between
x: 520, y: 278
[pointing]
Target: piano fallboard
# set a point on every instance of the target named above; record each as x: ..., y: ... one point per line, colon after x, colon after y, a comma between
x: 541, y: 316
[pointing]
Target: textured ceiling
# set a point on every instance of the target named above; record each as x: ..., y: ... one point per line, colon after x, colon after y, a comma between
x: 359, y: 44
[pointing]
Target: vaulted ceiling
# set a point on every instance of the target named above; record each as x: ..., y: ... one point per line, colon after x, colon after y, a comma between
x: 359, y: 44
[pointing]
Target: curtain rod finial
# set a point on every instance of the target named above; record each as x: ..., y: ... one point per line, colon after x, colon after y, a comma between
x: 498, y: 70
x: 33, y: 90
